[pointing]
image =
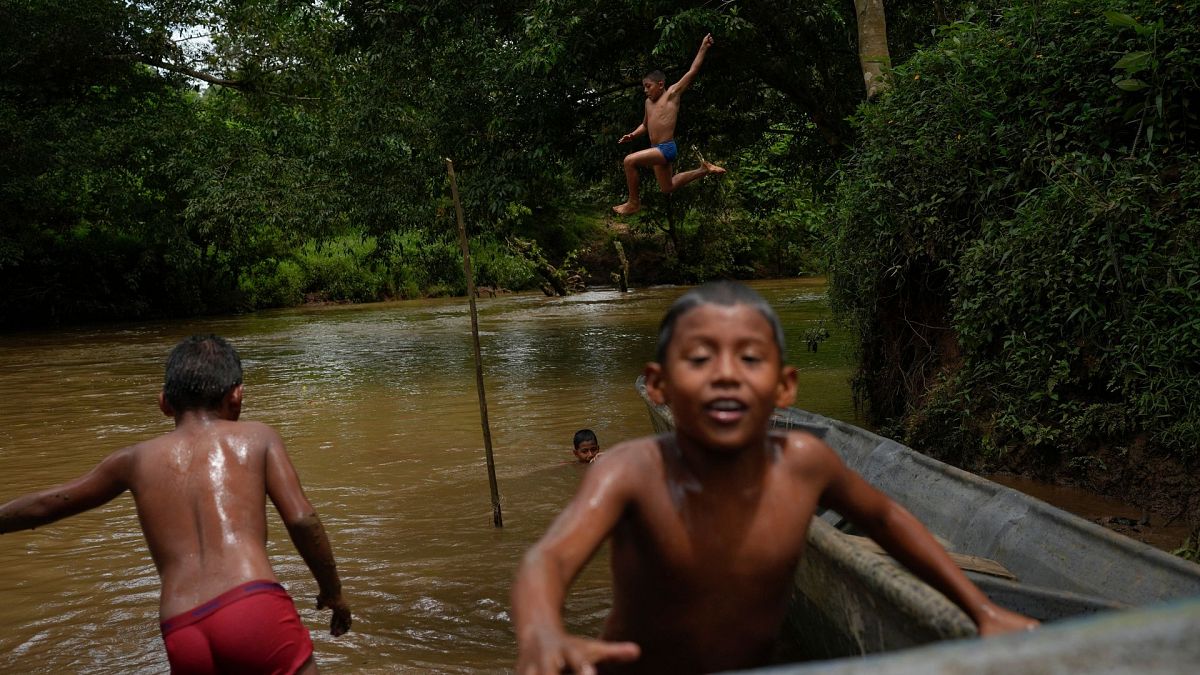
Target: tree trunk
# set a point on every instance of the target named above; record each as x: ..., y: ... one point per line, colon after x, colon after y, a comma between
x: 872, y: 45
x: 671, y: 231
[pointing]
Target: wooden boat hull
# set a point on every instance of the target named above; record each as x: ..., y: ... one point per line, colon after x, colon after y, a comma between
x: 850, y: 601
x: 1158, y: 640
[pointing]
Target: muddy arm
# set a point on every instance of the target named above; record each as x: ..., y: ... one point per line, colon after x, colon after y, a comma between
x: 95, y: 488
x: 549, y: 567
x: 307, y: 534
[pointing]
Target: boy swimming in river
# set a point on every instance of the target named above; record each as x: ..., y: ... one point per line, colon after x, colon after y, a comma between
x: 662, y: 111
x: 708, y: 523
x: 585, y: 446
x: 200, y: 492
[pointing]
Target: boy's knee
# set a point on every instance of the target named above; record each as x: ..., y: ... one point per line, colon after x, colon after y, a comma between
x: 630, y: 162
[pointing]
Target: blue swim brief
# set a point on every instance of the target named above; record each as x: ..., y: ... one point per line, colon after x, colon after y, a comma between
x: 668, y: 150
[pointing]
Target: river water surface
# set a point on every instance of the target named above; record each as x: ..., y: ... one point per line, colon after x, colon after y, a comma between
x: 378, y: 407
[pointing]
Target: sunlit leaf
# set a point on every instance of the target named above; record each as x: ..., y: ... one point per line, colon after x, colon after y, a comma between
x: 1134, y: 61
x: 1122, y: 20
x: 1131, y: 84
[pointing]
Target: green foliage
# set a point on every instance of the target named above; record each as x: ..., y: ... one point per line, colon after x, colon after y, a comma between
x: 785, y: 216
x: 1018, y: 236
x: 421, y: 261
x: 148, y: 173
x: 341, y: 270
x: 86, y: 231
x: 273, y: 283
x: 715, y: 248
x: 495, y: 265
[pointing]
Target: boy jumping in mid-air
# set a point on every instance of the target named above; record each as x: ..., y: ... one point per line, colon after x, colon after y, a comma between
x: 200, y: 492
x: 707, y: 524
x: 662, y: 110
x: 585, y: 446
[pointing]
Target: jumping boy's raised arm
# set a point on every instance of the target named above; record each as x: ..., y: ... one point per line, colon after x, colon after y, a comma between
x: 686, y: 81
x: 95, y: 488
x: 307, y: 534
x: 907, y: 540
x: 549, y: 567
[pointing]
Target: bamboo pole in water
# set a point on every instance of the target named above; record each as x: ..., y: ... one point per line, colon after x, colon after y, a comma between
x: 497, y: 517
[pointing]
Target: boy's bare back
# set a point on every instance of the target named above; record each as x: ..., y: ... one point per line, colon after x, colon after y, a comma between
x: 200, y: 498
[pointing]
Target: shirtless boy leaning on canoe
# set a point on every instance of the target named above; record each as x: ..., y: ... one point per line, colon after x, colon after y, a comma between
x: 201, y: 494
x: 707, y: 524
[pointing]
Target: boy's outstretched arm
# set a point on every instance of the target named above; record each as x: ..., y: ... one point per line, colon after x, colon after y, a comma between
x: 641, y: 129
x: 307, y: 534
x: 686, y: 81
x: 907, y: 540
x: 633, y: 134
x: 549, y: 567
x: 95, y: 488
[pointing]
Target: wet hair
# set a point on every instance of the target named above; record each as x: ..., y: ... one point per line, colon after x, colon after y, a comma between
x: 724, y: 293
x: 201, y: 370
x: 584, y: 435
x: 656, y: 76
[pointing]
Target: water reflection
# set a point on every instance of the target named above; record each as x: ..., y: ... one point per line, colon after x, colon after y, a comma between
x: 377, y: 404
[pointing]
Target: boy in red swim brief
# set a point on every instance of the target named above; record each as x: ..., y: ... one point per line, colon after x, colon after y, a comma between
x: 253, y: 628
x: 201, y: 493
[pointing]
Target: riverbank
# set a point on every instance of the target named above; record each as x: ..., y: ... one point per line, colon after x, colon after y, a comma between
x: 1145, y: 496
x: 1145, y: 525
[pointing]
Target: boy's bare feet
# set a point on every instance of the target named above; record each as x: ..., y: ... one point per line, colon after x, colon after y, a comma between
x: 629, y: 208
x: 709, y: 167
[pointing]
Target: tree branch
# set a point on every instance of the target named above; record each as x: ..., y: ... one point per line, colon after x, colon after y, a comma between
x: 628, y: 84
x: 181, y: 69
x: 193, y: 73
x: 611, y: 90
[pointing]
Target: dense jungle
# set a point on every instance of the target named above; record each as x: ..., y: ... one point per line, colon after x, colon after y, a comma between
x: 1007, y: 208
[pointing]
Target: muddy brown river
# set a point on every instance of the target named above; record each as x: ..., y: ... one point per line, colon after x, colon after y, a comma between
x: 378, y: 407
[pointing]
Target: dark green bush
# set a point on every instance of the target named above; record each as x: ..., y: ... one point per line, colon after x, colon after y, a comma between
x: 496, y: 265
x: 342, y: 270
x: 273, y: 283
x: 784, y: 215
x: 423, y: 264
x: 1017, y: 237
